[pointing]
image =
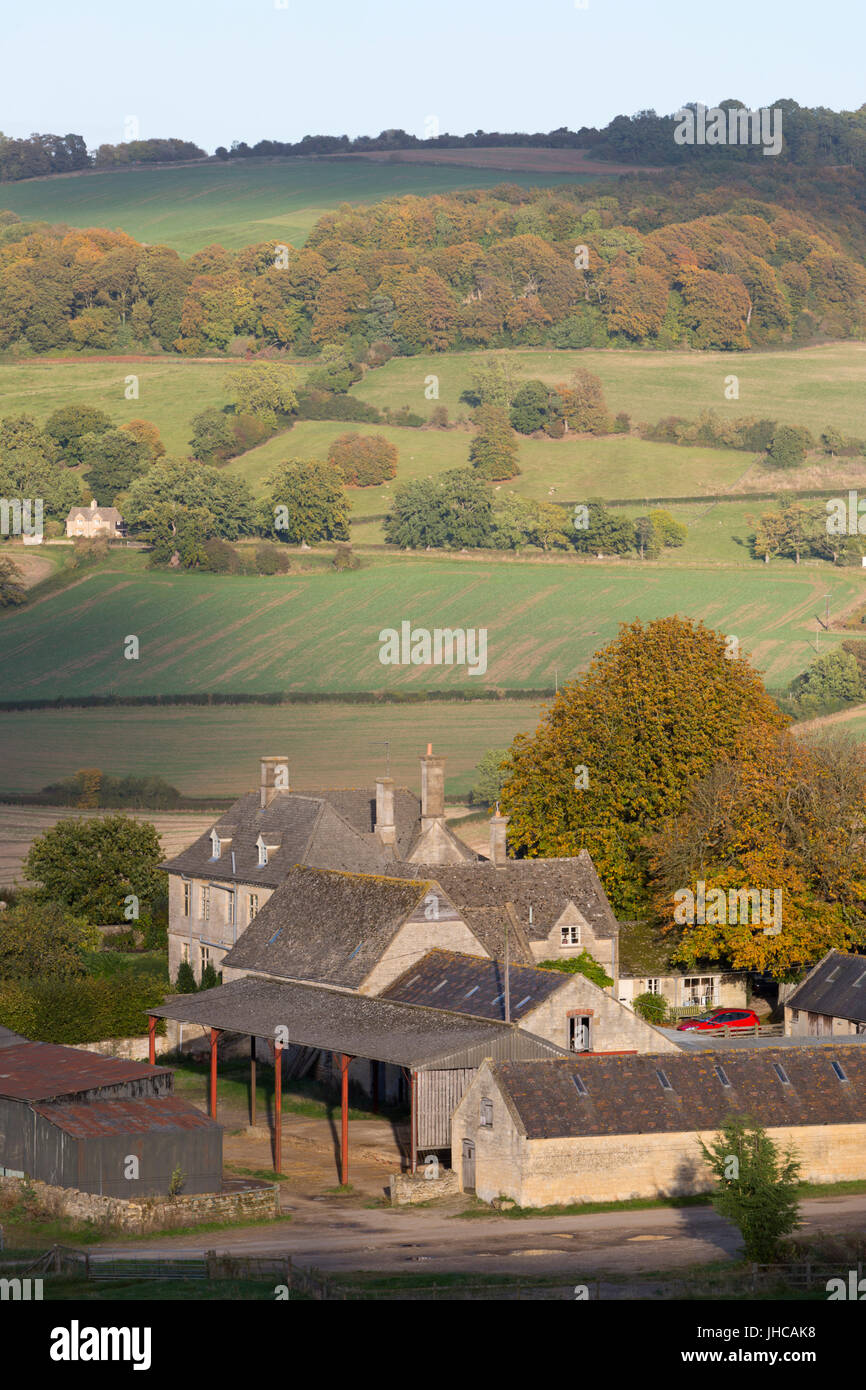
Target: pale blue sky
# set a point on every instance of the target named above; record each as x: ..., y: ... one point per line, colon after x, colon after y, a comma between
x: 217, y: 70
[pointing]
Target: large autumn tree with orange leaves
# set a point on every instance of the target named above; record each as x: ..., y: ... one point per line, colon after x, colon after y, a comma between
x: 618, y: 752
x: 776, y: 814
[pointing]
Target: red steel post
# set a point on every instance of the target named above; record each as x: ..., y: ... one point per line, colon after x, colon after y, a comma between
x: 151, y: 1038
x: 278, y: 1107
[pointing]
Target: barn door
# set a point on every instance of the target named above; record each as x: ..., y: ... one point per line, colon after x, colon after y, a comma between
x: 468, y: 1173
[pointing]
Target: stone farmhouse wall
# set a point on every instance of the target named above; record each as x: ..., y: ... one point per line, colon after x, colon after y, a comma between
x: 154, y: 1213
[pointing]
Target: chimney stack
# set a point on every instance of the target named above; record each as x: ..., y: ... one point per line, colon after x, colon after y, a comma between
x: 498, y: 840
x: 274, y: 779
x: 432, y: 789
x: 385, y: 826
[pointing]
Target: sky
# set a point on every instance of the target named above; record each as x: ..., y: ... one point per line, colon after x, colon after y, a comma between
x: 214, y: 71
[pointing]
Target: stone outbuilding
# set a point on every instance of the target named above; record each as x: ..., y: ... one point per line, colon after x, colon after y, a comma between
x: 595, y: 1128
x: 831, y: 1001
x: 566, y: 1009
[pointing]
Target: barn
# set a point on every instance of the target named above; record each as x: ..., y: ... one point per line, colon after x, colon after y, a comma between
x: 75, y: 1119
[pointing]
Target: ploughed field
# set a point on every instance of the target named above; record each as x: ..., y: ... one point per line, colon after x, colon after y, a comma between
x: 318, y: 631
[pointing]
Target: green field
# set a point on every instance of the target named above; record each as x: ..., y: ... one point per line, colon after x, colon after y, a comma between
x: 318, y: 631
x: 209, y: 751
x: 242, y: 202
x: 815, y: 386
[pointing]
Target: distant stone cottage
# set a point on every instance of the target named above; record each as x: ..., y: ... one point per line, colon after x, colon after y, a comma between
x: 94, y: 521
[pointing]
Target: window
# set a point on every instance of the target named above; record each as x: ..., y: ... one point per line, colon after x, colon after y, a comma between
x: 833, y: 974
x: 569, y: 936
x: 230, y: 909
x: 782, y: 1074
x: 653, y: 987
x: 252, y: 906
x: 215, y: 845
x: 578, y: 1033
x: 663, y: 1081
x: 184, y: 951
x: 487, y: 1114
x: 186, y: 896
x: 205, y: 956
x: 205, y: 902
x: 263, y: 854
x: 469, y: 992
x: 699, y: 990
x: 580, y: 1087
x: 722, y: 1075
x: 837, y: 1067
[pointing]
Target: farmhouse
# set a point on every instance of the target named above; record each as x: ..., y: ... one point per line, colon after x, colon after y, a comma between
x: 94, y: 521
x: 831, y: 1001
x: 74, y: 1119
x: 614, y: 1128
x: 646, y: 967
x: 221, y: 882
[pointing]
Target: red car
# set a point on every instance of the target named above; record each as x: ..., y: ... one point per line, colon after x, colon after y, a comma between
x: 720, y: 1018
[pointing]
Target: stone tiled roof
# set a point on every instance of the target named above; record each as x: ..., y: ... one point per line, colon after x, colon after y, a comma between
x: 356, y: 1024
x: 327, y: 926
x: 835, y: 987
x: 645, y: 950
x: 474, y: 985
x: 88, y: 513
x: 544, y: 885
x: 624, y: 1094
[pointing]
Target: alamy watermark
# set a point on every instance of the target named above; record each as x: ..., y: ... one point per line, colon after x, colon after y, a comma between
x: 738, y: 907
x: 846, y: 519
x: 446, y: 646
x: 735, y: 125
x: 21, y: 516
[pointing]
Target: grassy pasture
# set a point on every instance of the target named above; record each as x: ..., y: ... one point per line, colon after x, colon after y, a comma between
x: 564, y: 469
x: 215, y: 751
x: 318, y: 631
x: 241, y: 202
x: 815, y: 386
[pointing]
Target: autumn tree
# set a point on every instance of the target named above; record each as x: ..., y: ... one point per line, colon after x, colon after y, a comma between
x: 583, y: 405
x: 363, y: 460
x: 655, y: 710
x: 775, y: 814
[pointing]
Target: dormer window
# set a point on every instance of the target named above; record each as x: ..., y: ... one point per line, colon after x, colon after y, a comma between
x: 215, y: 844
x: 263, y: 852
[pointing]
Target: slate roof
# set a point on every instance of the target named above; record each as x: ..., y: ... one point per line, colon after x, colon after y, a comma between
x: 474, y: 985
x: 144, y: 1115
x: 544, y: 885
x: 358, y: 1024
x: 326, y: 926
x: 43, y: 1071
x: 8, y: 1038
x: 645, y: 950
x: 331, y: 829
x: 836, y: 987
x: 625, y: 1096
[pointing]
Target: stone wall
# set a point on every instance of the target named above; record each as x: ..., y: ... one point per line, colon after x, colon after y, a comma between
x: 249, y: 1202
x: 613, y: 1026
x: 407, y: 1188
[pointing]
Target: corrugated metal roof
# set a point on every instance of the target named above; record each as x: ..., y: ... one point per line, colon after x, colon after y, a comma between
x: 41, y: 1071
x: 144, y: 1115
x: 339, y: 1021
x: 836, y: 987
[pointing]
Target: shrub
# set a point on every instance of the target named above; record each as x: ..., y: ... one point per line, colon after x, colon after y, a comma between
x: 185, y: 982
x: 220, y: 557
x: 583, y: 964
x: 271, y: 559
x: 364, y: 460
x: 652, y: 1007
x: 78, y: 1011
x: 345, y: 559
x: 209, y: 977
x: 439, y: 417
